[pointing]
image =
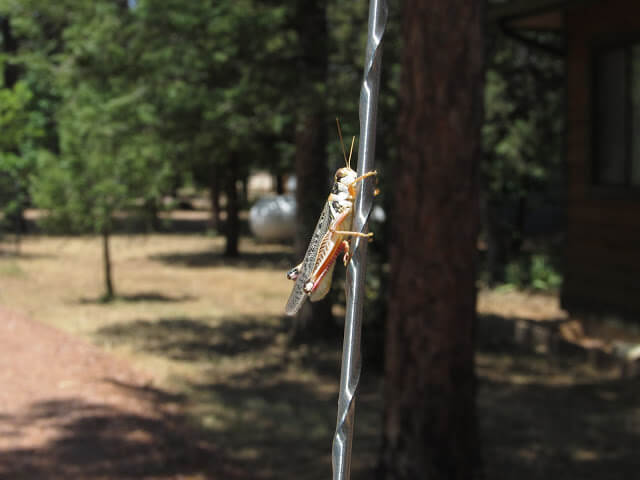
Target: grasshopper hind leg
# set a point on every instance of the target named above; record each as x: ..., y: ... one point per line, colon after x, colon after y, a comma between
x: 347, y: 252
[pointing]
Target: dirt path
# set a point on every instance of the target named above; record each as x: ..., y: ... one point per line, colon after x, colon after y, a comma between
x: 68, y: 410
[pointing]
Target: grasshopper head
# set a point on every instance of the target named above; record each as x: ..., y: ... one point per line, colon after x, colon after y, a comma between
x: 345, y: 176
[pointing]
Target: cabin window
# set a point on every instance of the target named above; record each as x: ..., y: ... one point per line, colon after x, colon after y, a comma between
x: 617, y: 117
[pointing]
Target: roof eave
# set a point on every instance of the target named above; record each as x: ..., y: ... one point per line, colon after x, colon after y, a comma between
x: 518, y: 10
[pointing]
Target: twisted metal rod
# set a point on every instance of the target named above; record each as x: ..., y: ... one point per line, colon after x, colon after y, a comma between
x: 351, y: 357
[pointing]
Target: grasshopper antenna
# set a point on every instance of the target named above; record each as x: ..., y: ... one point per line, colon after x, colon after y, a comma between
x: 353, y: 140
x: 344, y: 152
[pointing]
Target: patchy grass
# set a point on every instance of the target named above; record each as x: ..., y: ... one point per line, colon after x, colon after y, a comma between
x: 10, y: 268
x: 211, y: 331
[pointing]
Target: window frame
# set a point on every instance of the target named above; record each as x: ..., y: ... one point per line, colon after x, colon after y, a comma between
x: 598, y: 49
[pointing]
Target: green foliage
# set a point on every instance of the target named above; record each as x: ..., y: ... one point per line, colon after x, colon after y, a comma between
x: 524, y: 120
x: 115, y: 106
x: 106, y: 82
x: 130, y: 109
x: 543, y: 274
x: 536, y: 272
x: 22, y: 129
x: 27, y: 105
x: 111, y: 154
x: 217, y: 84
x: 523, y: 150
x: 14, y: 116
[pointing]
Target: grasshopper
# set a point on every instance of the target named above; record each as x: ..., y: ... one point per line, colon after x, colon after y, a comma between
x: 313, y: 275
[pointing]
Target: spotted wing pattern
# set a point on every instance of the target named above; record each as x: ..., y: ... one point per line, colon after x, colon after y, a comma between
x: 297, y: 297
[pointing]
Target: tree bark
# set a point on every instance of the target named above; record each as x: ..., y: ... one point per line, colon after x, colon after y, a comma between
x: 11, y: 75
x: 10, y: 45
x: 245, y: 189
x: 232, y: 227
x: 106, y: 257
x: 279, y: 182
x: 314, y: 319
x: 497, y: 238
x: 153, y: 219
x: 214, y: 198
x: 430, y: 421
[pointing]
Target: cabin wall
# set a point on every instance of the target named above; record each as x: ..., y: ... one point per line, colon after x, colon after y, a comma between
x: 602, y: 269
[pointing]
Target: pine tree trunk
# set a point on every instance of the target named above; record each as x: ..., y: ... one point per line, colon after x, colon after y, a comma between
x: 314, y: 319
x: 232, y: 228
x: 9, y: 45
x: 430, y: 427
x: 11, y: 74
x: 497, y: 248
x: 214, y: 198
x: 245, y: 190
x: 279, y: 182
x: 152, y: 214
x: 106, y: 257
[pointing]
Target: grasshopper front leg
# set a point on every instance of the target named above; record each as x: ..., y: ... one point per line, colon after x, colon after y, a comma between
x: 352, y: 188
x: 350, y: 234
x: 345, y: 245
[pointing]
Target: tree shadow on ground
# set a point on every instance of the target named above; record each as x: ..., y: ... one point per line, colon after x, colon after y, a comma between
x: 282, y: 422
x: 276, y: 260
x: 139, y: 297
x: 100, y: 441
x: 573, y: 432
x: 10, y: 253
x: 196, y: 339
x: 273, y: 404
x: 554, y: 416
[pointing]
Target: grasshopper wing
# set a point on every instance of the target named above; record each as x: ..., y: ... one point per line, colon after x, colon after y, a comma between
x: 298, y: 295
x: 324, y: 286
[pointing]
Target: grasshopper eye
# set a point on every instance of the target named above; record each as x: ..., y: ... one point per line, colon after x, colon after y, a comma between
x: 341, y: 173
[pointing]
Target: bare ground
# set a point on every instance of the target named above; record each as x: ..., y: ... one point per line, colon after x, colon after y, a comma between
x: 68, y: 410
x: 210, y: 331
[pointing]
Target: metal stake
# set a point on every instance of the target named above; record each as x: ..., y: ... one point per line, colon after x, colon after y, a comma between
x: 351, y: 359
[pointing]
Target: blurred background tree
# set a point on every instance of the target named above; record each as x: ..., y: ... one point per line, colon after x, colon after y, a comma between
x: 430, y: 427
x: 110, y: 154
x: 26, y: 109
x: 219, y: 87
x: 230, y: 89
x: 311, y: 136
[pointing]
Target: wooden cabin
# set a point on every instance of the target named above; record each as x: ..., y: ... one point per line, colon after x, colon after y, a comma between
x: 602, y: 52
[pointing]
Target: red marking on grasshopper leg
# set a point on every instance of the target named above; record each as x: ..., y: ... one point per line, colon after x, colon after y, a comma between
x: 330, y: 258
x: 342, y: 247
